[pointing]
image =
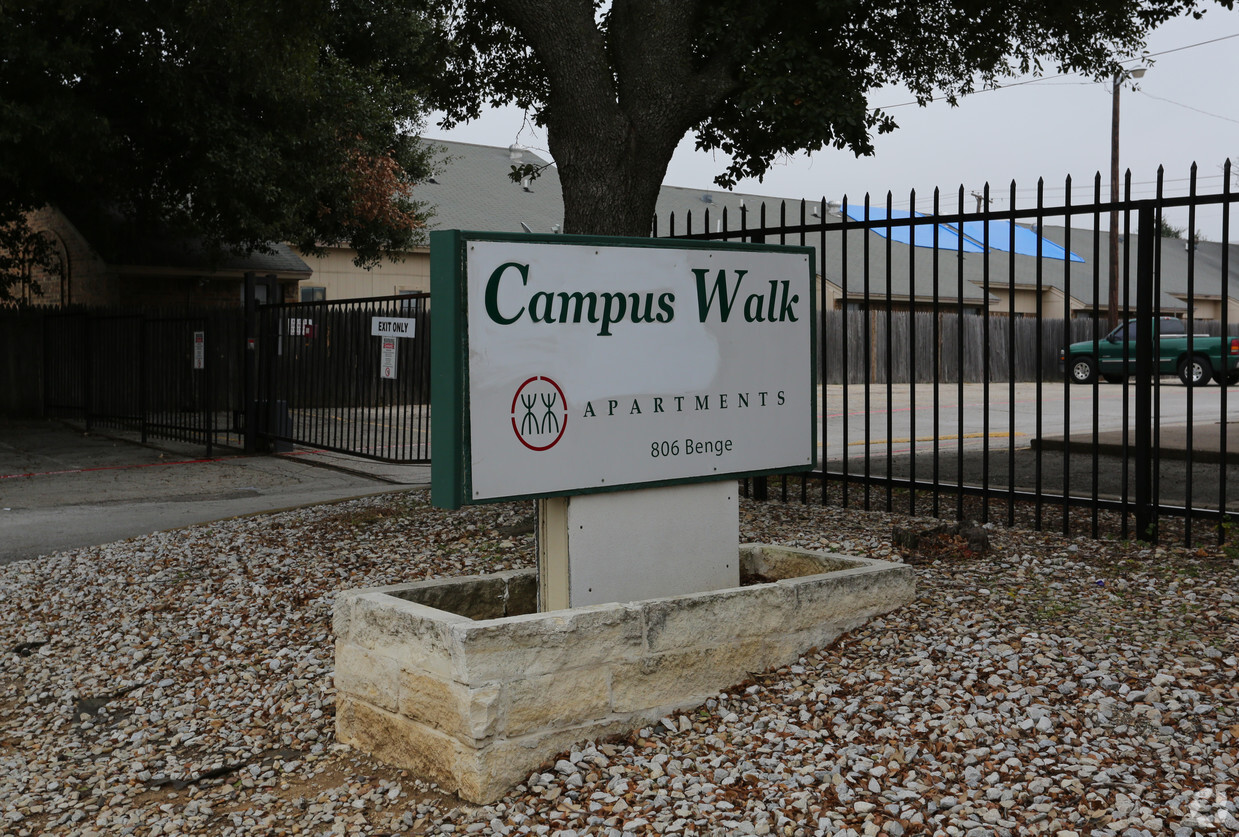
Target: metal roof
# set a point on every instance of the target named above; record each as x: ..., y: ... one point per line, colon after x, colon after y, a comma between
x: 473, y: 190
x: 1174, y: 261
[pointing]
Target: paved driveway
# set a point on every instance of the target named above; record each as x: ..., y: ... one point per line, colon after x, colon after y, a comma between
x: 62, y: 488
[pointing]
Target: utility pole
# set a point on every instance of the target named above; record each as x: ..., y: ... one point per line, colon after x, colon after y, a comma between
x: 1112, y: 310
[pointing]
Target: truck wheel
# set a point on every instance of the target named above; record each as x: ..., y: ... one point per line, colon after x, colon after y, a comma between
x: 1195, y: 371
x: 1083, y: 369
x: 1111, y: 378
x: 1221, y: 378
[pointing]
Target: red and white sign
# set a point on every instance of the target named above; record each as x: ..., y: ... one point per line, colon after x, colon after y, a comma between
x: 387, y: 361
x: 539, y: 413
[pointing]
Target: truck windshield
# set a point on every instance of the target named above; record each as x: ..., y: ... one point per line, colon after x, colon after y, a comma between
x: 1167, y: 327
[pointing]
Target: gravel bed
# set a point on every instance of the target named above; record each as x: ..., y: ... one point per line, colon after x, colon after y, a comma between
x: 181, y: 683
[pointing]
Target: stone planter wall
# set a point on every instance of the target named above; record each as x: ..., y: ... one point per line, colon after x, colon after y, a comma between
x: 460, y: 680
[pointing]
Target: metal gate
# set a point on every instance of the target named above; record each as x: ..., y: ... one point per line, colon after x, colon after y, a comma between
x: 310, y: 374
x: 157, y: 374
x: 332, y: 377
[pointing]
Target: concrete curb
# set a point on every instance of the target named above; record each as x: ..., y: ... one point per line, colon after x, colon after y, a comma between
x: 1171, y: 443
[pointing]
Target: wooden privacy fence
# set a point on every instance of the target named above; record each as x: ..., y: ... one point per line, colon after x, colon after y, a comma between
x: 879, y: 347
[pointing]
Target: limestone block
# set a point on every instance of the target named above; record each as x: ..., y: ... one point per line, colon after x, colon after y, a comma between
x: 566, y: 698
x: 403, y: 630
x: 683, y: 678
x: 785, y: 649
x: 853, y: 595
x: 364, y: 674
x: 509, y: 761
x: 779, y: 562
x: 433, y: 756
x: 481, y: 704
x: 476, y: 597
x: 449, y: 707
x: 542, y: 643
x: 341, y: 614
x: 716, y: 618
x: 523, y: 593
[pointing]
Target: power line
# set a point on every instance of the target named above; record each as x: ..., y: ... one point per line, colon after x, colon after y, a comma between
x: 1192, y: 46
x: 1043, y: 79
x: 1188, y: 107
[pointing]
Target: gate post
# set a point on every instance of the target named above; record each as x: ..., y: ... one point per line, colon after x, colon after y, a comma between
x: 250, y: 395
x: 145, y: 373
x: 1146, y: 333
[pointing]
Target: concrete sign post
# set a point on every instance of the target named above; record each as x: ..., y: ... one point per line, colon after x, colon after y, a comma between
x: 568, y: 366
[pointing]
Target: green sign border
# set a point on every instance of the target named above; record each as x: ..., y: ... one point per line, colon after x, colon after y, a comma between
x: 451, y: 479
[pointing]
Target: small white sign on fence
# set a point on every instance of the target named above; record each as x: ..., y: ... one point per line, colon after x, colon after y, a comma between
x: 392, y: 326
x: 387, y: 363
x: 300, y: 327
x: 199, y: 350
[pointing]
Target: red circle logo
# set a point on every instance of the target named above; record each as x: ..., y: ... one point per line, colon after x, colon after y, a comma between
x: 539, y: 413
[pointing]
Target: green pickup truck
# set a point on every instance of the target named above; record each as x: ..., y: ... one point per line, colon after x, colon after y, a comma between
x: 1208, y: 357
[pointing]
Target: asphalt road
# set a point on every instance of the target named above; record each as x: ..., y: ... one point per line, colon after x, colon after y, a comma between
x: 1028, y: 437
x: 62, y: 488
x: 923, y: 417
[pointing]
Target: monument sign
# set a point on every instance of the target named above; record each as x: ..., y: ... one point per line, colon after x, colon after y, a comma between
x: 566, y: 365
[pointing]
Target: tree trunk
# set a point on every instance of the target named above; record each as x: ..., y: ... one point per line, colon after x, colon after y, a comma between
x: 610, y: 184
x: 618, y: 103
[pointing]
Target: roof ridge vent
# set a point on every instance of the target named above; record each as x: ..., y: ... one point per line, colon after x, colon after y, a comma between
x: 515, y: 152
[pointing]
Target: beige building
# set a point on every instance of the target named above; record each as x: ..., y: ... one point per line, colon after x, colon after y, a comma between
x: 337, y: 277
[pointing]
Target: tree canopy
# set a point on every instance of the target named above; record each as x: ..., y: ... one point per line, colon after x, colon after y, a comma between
x: 618, y: 84
x: 233, y: 122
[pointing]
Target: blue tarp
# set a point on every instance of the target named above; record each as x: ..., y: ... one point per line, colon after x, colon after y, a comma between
x: 922, y: 235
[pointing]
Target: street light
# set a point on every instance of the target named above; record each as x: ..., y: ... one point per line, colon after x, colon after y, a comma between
x: 1112, y: 313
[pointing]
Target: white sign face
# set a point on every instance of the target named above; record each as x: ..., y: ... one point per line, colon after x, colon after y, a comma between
x: 387, y: 360
x: 392, y: 326
x: 600, y: 366
x: 199, y: 350
x: 301, y: 327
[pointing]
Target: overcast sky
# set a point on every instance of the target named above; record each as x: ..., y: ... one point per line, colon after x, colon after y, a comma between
x: 1185, y: 110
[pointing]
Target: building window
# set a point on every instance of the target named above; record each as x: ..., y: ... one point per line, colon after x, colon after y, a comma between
x: 313, y: 293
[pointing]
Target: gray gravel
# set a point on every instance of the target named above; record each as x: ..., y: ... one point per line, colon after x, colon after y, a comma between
x: 180, y: 683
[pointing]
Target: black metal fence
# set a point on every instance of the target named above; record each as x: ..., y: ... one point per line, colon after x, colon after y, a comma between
x: 309, y: 374
x: 337, y: 385
x: 942, y: 390
x: 164, y: 375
